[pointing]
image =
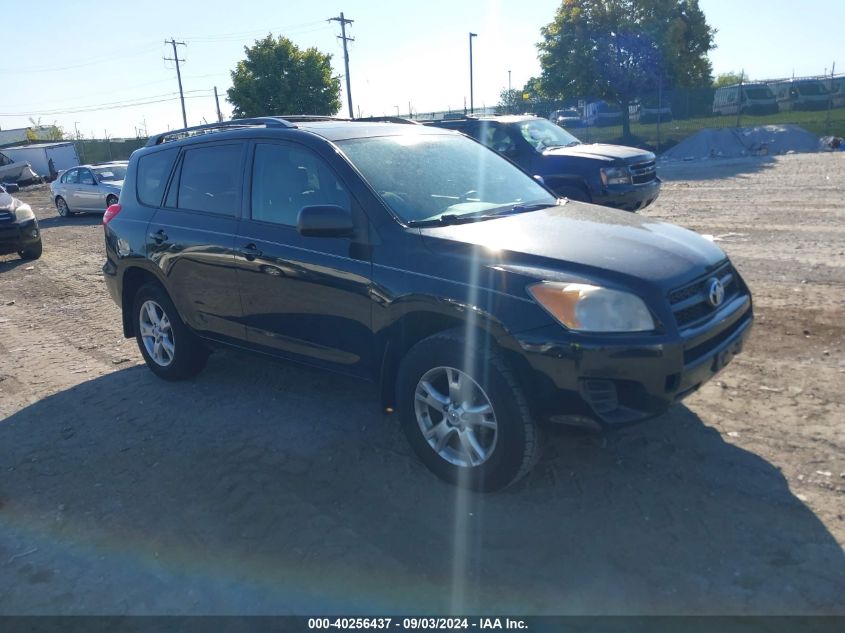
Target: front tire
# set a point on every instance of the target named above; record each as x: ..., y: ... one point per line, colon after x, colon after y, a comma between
x: 110, y: 200
x: 31, y: 252
x: 169, y: 348
x: 464, y: 413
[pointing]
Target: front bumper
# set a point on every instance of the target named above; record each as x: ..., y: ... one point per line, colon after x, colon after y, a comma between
x: 628, y: 197
x: 16, y: 236
x: 619, y: 379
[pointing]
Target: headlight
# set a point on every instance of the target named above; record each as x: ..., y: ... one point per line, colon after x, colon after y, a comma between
x: 615, y: 176
x: 587, y: 308
x: 23, y: 212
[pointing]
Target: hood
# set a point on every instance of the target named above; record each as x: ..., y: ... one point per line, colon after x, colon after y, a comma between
x: 602, y: 151
x: 6, y: 201
x: 576, y: 238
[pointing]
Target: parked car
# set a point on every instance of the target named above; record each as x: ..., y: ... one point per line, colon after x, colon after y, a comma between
x: 609, y: 175
x: 19, y: 232
x: 568, y: 118
x: 88, y: 188
x: 800, y: 94
x: 653, y: 108
x: 413, y: 256
x: 602, y: 114
x: 749, y: 98
x: 16, y: 172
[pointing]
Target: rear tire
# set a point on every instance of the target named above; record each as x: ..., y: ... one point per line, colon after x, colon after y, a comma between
x: 464, y: 413
x: 169, y: 348
x: 31, y: 252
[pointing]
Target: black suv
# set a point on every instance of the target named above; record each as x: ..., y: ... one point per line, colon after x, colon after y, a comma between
x: 413, y: 256
x: 609, y: 175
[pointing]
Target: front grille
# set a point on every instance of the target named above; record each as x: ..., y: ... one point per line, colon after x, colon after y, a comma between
x: 689, y: 303
x: 6, y: 216
x: 9, y: 234
x: 642, y: 173
x: 703, y: 349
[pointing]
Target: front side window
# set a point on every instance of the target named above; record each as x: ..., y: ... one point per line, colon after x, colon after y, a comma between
x: 210, y: 179
x: 152, y: 174
x: 286, y: 178
x: 543, y: 134
x: 424, y: 177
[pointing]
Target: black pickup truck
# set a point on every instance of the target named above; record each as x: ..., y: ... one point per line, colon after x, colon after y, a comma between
x: 609, y: 175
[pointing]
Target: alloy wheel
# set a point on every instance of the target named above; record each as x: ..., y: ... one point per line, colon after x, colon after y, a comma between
x: 157, y: 333
x: 455, y: 416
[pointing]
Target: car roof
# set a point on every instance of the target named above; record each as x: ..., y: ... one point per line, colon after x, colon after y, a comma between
x: 343, y: 130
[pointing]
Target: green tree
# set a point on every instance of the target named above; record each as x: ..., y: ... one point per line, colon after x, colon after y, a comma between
x: 277, y: 77
x: 619, y: 50
x: 729, y: 79
x: 510, y: 101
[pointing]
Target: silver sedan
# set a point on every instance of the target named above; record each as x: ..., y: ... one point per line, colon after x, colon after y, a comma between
x: 88, y: 188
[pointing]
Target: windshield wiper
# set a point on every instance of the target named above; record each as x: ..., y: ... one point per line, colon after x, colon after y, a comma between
x: 448, y: 219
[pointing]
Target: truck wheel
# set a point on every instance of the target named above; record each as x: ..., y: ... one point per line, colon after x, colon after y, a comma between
x: 464, y: 413
x: 574, y: 193
x: 31, y: 252
x: 169, y: 348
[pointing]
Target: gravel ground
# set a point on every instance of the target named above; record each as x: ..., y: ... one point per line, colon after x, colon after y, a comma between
x: 267, y: 488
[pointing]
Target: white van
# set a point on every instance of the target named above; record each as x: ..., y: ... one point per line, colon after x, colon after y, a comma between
x: 836, y: 87
x: 750, y: 98
x: 801, y: 94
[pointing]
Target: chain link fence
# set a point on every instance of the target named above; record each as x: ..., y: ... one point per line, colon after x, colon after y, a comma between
x: 661, y: 120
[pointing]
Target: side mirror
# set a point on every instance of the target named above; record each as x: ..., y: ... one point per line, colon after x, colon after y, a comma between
x: 539, y: 179
x: 11, y: 187
x: 324, y: 220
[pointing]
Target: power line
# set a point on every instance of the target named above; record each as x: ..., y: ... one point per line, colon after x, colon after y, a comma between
x: 176, y: 59
x: 100, y: 60
x: 115, y: 106
x: 343, y: 22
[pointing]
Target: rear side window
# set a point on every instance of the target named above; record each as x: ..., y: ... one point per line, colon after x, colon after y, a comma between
x: 210, y: 179
x: 72, y: 177
x: 153, y: 171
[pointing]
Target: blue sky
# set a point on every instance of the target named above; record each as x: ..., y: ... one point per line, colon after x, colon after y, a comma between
x: 95, y: 57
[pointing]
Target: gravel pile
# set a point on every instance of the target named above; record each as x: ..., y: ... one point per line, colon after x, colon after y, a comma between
x: 762, y: 140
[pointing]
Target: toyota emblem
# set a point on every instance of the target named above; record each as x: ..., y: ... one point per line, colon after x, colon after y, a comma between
x: 715, y: 292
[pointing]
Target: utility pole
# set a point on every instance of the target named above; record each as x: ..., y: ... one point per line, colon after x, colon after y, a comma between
x: 343, y: 22
x: 830, y: 96
x: 471, y: 109
x: 176, y: 59
x: 217, y: 102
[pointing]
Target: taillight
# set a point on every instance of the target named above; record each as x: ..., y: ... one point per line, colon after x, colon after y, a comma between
x: 111, y: 212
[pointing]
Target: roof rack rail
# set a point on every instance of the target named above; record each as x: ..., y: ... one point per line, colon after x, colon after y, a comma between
x: 172, y: 135
x: 388, y: 119
x: 303, y: 118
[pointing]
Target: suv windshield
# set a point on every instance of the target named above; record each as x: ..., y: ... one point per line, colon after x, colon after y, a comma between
x: 543, y: 134
x: 429, y: 177
x: 812, y: 88
x: 112, y: 172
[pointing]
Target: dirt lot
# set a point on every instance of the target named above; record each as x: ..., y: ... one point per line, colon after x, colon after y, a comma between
x: 267, y: 488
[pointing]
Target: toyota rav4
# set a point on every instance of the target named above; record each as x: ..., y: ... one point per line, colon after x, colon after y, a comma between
x: 484, y: 306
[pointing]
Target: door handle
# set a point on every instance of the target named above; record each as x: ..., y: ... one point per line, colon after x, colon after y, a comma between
x: 250, y: 252
x: 159, y: 236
